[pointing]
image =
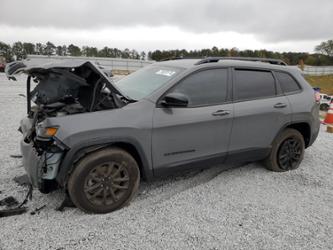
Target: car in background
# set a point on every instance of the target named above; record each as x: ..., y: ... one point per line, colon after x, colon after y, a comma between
x: 2, y: 67
x: 325, y: 101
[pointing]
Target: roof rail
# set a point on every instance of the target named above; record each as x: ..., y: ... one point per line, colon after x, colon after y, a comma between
x: 252, y: 59
x: 172, y: 58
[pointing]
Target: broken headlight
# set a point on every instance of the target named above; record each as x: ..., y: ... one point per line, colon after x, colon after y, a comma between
x: 46, y: 132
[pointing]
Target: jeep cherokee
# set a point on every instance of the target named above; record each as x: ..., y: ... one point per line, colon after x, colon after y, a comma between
x: 95, y: 137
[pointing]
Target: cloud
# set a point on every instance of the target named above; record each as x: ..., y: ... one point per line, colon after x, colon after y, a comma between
x: 283, y: 20
x: 148, y: 38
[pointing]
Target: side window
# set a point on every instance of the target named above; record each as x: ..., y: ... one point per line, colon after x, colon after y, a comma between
x: 252, y: 84
x: 288, y: 84
x: 206, y: 87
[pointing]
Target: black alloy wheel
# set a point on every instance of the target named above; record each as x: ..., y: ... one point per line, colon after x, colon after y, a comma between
x: 104, y: 181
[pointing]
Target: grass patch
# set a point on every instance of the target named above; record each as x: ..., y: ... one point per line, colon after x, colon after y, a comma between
x: 323, y: 82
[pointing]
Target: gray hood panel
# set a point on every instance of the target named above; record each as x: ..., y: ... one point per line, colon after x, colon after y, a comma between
x: 32, y: 68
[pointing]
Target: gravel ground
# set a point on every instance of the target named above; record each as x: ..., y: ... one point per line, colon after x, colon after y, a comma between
x: 246, y: 207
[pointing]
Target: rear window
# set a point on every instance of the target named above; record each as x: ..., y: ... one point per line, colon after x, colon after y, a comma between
x: 288, y: 84
x: 253, y: 84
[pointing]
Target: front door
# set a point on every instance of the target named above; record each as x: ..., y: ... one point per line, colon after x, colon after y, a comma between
x: 199, y: 132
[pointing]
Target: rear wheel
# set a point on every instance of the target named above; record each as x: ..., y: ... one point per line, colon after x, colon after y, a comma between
x: 104, y: 181
x: 287, y: 151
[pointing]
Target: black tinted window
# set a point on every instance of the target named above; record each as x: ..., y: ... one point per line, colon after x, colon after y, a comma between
x: 251, y: 84
x: 205, y: 87
x: 288, y: 84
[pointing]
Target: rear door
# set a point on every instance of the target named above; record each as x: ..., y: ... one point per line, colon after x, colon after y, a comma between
x: 200, y: 131
x: 260, y: 111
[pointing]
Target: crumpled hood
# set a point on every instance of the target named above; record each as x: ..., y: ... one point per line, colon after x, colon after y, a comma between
x: 33, y: 68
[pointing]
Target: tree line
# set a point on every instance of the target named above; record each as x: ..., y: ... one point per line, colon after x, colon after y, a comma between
x: 19, y: 50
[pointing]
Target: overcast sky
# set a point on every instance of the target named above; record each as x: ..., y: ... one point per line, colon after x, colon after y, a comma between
x: 281, y: 25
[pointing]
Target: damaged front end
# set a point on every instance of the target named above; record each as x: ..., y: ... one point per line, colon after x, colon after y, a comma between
x: 59, y: 90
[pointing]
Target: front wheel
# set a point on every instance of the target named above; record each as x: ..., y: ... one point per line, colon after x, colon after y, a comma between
x: 104, y: 181
x: 287, y: 151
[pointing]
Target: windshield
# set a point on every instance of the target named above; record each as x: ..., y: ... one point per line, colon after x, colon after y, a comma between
x: 145, y: 81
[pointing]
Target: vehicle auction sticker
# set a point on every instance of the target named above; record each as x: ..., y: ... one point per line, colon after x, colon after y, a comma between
x: 164, y: 72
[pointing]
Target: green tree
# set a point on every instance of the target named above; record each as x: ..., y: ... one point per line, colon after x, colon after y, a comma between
x: 310, y: 60
x: 59, y: 51
x: 29, y: 48
x: 74, y: 50
x: 143, y: 55
x: 157, y: 55
x: 89, y: 51
x: 133, y: 54
x: 234, y: 52
x: 6, y: 51
x: 125, y: 53
x: 105, y: 52
x: 116, y: 52
x: 40, y: 49
x: 215, y: 51
x: 325, y: 48
x: 18, y: 51
x: 49, y: 49
x: 64, y: 50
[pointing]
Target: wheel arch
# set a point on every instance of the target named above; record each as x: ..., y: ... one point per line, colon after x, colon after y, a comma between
x: 303, y: 127
x: 75, y: 154
x: 305, y: 130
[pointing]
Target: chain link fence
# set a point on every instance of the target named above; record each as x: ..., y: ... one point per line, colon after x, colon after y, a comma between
x: 318, y: 70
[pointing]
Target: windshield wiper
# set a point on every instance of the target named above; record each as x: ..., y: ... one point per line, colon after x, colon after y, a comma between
x: 130, y: 100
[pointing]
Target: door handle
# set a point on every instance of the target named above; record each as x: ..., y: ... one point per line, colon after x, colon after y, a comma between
x: 280, y: 105
x: 221, y: 113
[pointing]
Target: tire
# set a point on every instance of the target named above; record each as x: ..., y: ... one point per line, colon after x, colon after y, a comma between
x: 324, y: 107
x: 282, y: 159
x: 104, y: 181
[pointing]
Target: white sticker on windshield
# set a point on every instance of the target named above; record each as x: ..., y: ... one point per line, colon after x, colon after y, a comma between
x: 164, y: 72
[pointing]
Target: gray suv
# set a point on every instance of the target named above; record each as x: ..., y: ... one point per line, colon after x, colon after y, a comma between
x: 96, y: 137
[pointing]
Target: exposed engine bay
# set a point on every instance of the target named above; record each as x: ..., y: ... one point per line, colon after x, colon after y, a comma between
x: 66, y: 89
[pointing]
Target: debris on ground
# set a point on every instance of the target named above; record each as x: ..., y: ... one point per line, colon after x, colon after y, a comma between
x: 9, y: 201
x: 13, y: 211
x: 28, y: 196
x: 16, y: 156
x: 22, y: 180
x: 37, y: 210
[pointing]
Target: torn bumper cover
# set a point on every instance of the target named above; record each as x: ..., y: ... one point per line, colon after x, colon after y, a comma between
x: 41, y: 162
x: 32, y: 163
x: 40, y: 168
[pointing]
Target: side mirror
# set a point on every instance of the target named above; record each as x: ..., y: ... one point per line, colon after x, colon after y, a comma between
x: 175, y: 100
